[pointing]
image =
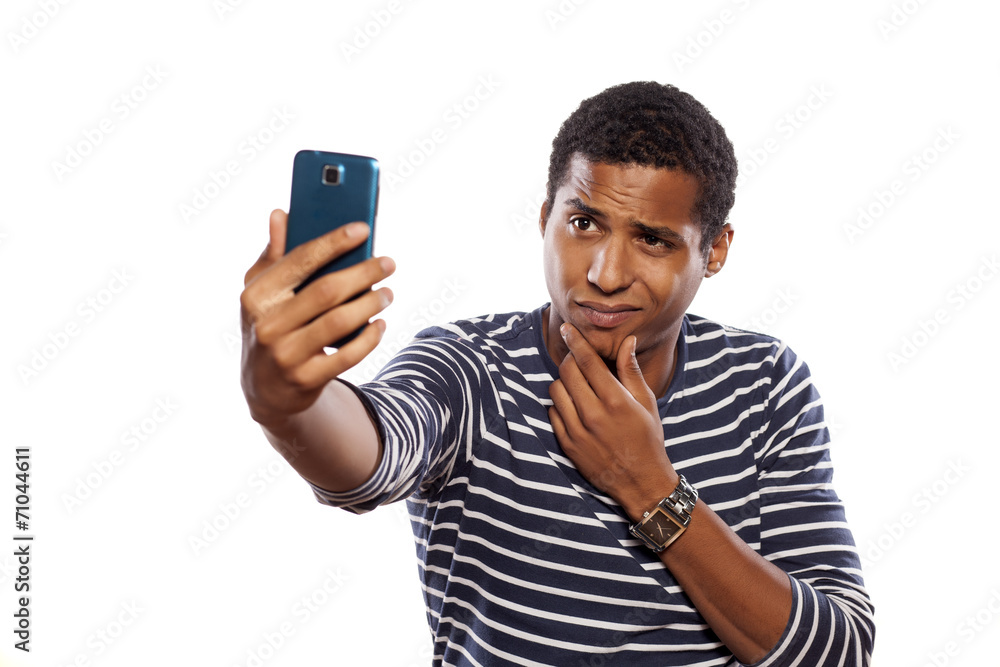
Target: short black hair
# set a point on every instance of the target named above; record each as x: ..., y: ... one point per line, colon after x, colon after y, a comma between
x: 649, y: 124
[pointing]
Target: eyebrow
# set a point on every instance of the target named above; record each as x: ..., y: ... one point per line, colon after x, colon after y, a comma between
x: 665, y: 232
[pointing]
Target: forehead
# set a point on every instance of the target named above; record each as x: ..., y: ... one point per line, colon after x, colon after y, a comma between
x: 641, y: 191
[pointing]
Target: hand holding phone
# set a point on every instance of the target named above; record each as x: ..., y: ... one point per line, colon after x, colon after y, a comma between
x: 288, y: 318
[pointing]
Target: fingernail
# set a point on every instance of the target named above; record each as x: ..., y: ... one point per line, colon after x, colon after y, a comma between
x: 355, y: 229
x: 563, y: 329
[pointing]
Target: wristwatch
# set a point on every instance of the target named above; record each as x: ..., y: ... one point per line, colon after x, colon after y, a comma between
x: 660, y: 526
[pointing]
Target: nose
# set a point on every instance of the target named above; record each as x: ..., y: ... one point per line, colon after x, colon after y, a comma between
x: 610, y: 269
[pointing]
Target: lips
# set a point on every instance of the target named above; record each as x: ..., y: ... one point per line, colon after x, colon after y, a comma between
x: 606, y: 316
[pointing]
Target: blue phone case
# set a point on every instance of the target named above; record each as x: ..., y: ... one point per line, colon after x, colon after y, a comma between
x: 330, y: 190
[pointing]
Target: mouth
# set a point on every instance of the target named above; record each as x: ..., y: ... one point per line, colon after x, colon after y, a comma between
x: 606, y: 316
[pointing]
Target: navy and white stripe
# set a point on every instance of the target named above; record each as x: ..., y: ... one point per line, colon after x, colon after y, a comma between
x: 524, y: 562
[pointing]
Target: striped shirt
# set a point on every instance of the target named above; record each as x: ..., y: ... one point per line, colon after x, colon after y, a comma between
x: 525, y: 562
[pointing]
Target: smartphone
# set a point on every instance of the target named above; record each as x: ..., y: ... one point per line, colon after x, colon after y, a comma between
x: 330, y: 190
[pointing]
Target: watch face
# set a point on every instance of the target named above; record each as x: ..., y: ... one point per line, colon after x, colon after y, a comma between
x: 660, y: 527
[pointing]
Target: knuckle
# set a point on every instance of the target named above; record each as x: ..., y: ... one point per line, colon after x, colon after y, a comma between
x: 297, y: 377
x: 282, y: 353
x: 348, y: 356
x: 248, y: 300
x: 301, y: 260
x: 616, y: 404
x: 258, y: 304
x: 312, y: 255
x: 328, y: 245
x: 266, y: 332
x: 334, y: 320
x: 328, y: 290
x: 372, y: 301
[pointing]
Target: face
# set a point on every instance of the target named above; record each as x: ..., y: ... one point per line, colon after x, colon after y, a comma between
x: 622, y: 256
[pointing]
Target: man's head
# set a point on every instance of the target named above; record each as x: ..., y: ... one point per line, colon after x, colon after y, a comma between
x: 649, y: 124
x: 640, y: 183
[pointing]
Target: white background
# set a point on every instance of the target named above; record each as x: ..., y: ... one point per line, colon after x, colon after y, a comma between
x: 88, y: 355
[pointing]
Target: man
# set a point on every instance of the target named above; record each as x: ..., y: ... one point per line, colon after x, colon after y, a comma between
x: 605, y: 479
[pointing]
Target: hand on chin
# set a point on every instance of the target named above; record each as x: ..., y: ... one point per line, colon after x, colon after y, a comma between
x: 606, y: 343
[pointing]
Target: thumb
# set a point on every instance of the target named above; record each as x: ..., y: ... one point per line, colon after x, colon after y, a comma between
x: 275, y: 249
x: 278, y: 231
x: 630, y: 374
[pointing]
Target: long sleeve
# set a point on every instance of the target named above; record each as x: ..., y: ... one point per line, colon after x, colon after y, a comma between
x: 803, y: 528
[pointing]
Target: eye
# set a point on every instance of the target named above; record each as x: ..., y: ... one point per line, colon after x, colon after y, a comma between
x: 583, y: 224
x: 656, y: 241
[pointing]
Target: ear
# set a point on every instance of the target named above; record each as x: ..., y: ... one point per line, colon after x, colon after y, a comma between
x: 543, y: 217
x: 718, y: 252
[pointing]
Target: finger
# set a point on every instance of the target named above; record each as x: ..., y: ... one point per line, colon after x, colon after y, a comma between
x: 591, y: 365
x: 323, y: 368
x: 630, y: 374
x: 558, y: 427
x: 333, y: 325
x: 328, y: 292
x: 593, y: 368
x: 271, y: 283
x: 295, y: 266
x: 566, y: 408
x: 578, y: 388
x: 275, y: 248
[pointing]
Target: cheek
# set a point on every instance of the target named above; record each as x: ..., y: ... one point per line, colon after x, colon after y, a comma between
x: 558, y: 267
x: 550, y: 262
x: 676, y: 287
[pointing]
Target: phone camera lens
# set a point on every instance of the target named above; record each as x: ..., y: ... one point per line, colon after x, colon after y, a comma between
x: 331, y: 174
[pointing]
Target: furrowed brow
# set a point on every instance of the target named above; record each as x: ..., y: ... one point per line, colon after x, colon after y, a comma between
x: 662, y: 232
x: 578, y: 204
